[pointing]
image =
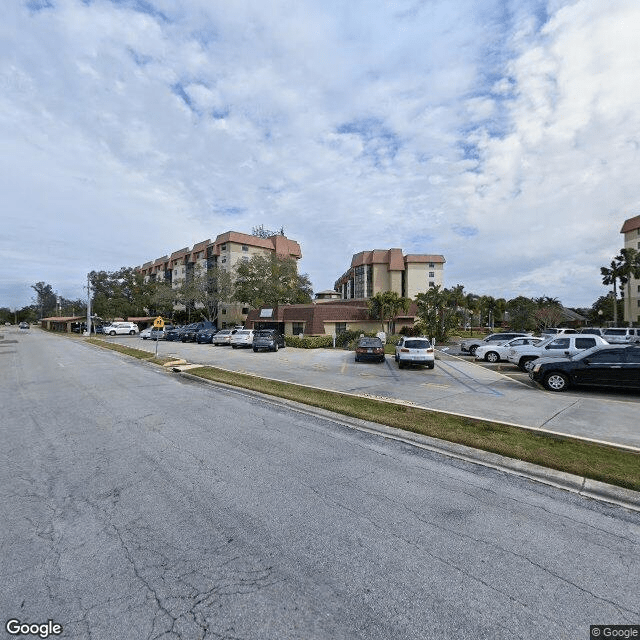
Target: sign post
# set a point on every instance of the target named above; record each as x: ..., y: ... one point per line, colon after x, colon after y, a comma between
x: 158, y: 323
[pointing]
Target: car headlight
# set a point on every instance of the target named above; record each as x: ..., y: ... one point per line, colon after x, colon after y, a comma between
x: 536, y: 368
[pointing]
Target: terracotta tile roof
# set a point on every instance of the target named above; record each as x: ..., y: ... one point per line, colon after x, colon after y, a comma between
x: 423, y: 257
x: 201, y: 246
x: 631, y: 224
x: 64, y: 318
x: 282, y: 245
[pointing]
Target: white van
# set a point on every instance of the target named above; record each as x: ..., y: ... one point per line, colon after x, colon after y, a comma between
x: 621, y: 335
x: 121, y: 328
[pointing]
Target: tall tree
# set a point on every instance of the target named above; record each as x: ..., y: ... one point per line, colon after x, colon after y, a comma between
x: 385, y: 306
x: 45, y: 299
x: 436, y: 313
x: 549, y: 312
x: 271, y: 280
x: 522, y: 313
x: 121, y: 293
x: 610, y: 277
x: 207, y: 289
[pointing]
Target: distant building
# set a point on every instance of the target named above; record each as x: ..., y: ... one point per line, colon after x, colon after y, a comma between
x: 373, y: 272
x: 631, y: 231
x: 225, y: 252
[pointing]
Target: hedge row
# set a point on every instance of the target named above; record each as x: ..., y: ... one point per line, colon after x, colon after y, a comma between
x: 312, y: 342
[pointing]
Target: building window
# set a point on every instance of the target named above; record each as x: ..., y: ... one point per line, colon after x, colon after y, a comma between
x: 432, y: 274
x: 341, y: 327
x: 245, y: 258
x: 224, y: 260
x: 223, y: 247
x: 224, y: 312
x: 245, y: 247
x: 431, y: 284
x: 245, y: 310
x: 297, y: 328
x: 431, y: 265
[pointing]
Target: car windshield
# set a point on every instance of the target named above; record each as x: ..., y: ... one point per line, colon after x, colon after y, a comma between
x: 243, y: 333
x: 417, y: 344
x: 370, y: 342
x: 265, y: 334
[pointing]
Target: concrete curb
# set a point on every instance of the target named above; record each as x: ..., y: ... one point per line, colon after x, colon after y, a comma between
x: 584, y: 487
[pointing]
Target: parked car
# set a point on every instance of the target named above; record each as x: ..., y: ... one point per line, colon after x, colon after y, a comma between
x: 158, y: 333
x: 621, y: 335
x: 270, y: 339
x: 205, y: 336
x: 173, y: 334
x: 500, y: 351
x: 594, y: 331
x: 469, y: 345
x: 145, y: 334
x: 242, y: 338
x: 415, y: 351
x: 369, y: 348
x: 554, y: 331
x: 553, y: 347
x: 23, y: 325
x: 223, y: 337
x: 99, y: 328
x: 121, y: 328
x: 611, y: 366
x: 191, y: 331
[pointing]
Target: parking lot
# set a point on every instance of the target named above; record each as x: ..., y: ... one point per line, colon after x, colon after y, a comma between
x: 457, y: 384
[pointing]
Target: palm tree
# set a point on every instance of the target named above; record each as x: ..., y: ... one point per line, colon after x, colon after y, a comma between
x: 629, y: 266
x: 386, y: 305
x: 610, y: 276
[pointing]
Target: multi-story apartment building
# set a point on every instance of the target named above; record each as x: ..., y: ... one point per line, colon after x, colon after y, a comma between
x: 380, y: 270
x: 225, y: 252
x: 631, y: 231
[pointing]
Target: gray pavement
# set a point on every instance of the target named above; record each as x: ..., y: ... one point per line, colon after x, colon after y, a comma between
x: 137, y: 505
x: 455, y: 385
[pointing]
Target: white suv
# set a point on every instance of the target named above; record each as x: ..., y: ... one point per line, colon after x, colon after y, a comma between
x: 121, y: 328
x: 562, y: 346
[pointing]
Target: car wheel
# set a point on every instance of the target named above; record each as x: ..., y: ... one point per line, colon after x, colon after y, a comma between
x: 431, y: 365
x: 556, y: 382
x: 492, y: 356
x: 132, y: 333
x: 255, y: 350
x: 275, y: 346
x: 396, y: 358
x: 529, y: 364
x: 400, y: 364
x: 112, y: 333
x: 357, y: 359
x: 144, y: 337
x: 472, y: 350
x: 234, y: 346
x: 523, y: 364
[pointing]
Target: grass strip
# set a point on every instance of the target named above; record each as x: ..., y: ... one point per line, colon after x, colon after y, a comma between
x: 586, y: 459
x: 130, y: 351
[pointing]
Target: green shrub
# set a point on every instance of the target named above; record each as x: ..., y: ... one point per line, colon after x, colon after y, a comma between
x: 310, y: 342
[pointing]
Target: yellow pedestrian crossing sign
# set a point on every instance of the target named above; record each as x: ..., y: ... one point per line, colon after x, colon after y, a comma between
x: 158, y: 323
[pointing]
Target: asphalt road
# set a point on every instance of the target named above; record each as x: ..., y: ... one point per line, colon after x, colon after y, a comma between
x: 138, y: 505
x: 456, y: 384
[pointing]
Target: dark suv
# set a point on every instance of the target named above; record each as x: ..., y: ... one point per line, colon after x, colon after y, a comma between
x: 268, y: 339
x: 191, y: 331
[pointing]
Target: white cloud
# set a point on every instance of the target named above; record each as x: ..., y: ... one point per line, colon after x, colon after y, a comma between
x: 502, y: 135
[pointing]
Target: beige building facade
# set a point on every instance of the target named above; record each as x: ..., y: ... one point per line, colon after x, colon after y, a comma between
x: 380, y: 270
x: 631, y: 231
x: 225, y: 252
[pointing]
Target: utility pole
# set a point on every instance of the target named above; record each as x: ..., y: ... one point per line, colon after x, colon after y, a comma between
x: 88, y: 306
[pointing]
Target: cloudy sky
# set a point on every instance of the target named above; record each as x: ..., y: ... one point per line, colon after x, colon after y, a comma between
x: 503, y: 134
